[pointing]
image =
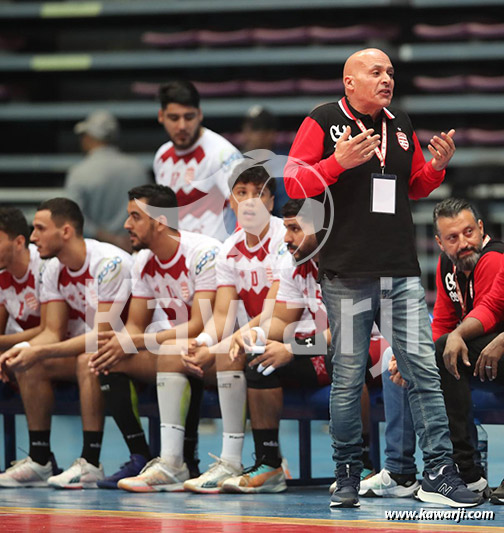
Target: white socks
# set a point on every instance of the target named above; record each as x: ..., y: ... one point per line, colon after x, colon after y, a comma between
x: 232, y: 399
x: 174, y: 395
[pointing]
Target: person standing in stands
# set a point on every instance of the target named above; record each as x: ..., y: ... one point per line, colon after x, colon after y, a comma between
x: 259, y: 132
x: 100, y: 182
x: 195, y: 163
x: 368, y: 159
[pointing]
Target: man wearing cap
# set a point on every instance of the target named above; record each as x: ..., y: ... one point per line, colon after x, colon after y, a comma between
x: 100, y: 182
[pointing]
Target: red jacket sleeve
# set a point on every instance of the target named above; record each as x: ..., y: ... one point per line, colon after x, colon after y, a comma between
x: 445, y: 318
x: 424, y: 178
x: 306, y: 174
x: 490, y: 309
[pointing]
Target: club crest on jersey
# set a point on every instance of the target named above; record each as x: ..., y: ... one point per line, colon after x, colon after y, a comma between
x: 402, y: 140
x: 31, y: 301
x: 269, y: 274
x: 184, y: 288
x: 189, y: 175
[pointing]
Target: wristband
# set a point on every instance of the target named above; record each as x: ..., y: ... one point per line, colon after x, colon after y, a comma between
x: 261, y: 336
x: 204, y: 338
x: 22, y: 344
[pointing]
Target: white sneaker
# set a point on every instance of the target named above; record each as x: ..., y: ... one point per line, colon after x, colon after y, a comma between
x: 480, y: 485
x: 81, y: 475
x: 383, y: 485
x: 211, y: 481
x: 26, y: 473
x: 157, y: 476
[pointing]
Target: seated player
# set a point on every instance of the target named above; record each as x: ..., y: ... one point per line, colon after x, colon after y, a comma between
x: 175, y: 270
x: 20, y: 271
x: 85, y: 287
x: 242, y: 270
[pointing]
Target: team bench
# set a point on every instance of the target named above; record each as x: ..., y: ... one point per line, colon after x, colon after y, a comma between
x: 301, y: 405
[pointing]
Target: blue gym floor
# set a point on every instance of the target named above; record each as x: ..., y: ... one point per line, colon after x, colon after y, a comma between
x: 299, y: 509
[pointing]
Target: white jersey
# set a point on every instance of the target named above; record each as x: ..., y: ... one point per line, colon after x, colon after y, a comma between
x: 251, y: 271
x: 199, y: 177
x: 21, y: 297
x: 173, y: 284
x: 299, y: 287
x: 105, y: 277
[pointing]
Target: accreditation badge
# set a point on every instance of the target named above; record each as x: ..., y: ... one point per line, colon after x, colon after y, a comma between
x: 383, y: 193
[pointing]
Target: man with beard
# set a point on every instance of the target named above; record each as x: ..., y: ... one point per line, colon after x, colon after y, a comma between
x: 84, y: 289
x: 465, y: 273
x: 196, y: 163
x: 175, y: 270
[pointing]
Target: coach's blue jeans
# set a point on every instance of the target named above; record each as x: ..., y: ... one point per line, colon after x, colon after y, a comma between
x: 398, y: 307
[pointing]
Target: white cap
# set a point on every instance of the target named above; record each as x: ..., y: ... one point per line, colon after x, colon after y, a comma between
x: 100, y: 124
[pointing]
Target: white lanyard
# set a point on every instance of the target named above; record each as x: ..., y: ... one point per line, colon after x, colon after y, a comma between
x: 380, y: 154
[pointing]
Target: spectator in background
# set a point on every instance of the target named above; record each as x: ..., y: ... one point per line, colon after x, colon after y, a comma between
x: 259, y: 131
x: 100, y: 182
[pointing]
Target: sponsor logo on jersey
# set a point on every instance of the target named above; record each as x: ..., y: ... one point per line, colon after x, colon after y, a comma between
x: 336, y: 131
x: 110, y: 271
x: 206, y: 260
x: 402, y: 140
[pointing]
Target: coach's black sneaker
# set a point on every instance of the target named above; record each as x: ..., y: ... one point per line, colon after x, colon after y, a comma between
x: 497, y: 495
x: 446, y: 487
x: 346, y: 493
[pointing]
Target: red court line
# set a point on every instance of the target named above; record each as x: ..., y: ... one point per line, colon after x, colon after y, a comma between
x: 23, y: 520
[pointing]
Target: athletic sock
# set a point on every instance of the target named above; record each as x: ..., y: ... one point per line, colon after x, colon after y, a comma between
x: 366, y: 459
x: 40, y: 448
x: 267, y: 448
x: 192, y: 422
x: 92, y: 447
x: 174, y: 395
x: 403, y: 479
x: 122, y: 402
x: 232, y: 400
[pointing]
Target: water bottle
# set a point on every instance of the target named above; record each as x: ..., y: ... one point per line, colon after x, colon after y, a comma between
x: 483, y: 447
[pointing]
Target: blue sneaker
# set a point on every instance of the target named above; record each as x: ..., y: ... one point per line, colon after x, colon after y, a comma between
x: 130, y: 469
x: 346, y: 493
x: 446, y: 487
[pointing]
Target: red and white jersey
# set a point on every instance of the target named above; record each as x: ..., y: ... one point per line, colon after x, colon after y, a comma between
x: 21, y: 297
x: 105, y: 277
x: 299, y: 288
x: 199, y: 177
x: 172, y: 285
x: 251, y: 271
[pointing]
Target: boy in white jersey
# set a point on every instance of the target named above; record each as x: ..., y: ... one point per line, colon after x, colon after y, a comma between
x: 85, y: 287
x: 196, y: 163
x: 20, y: 271
x: 175, y: 271
x: 246, y: 267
